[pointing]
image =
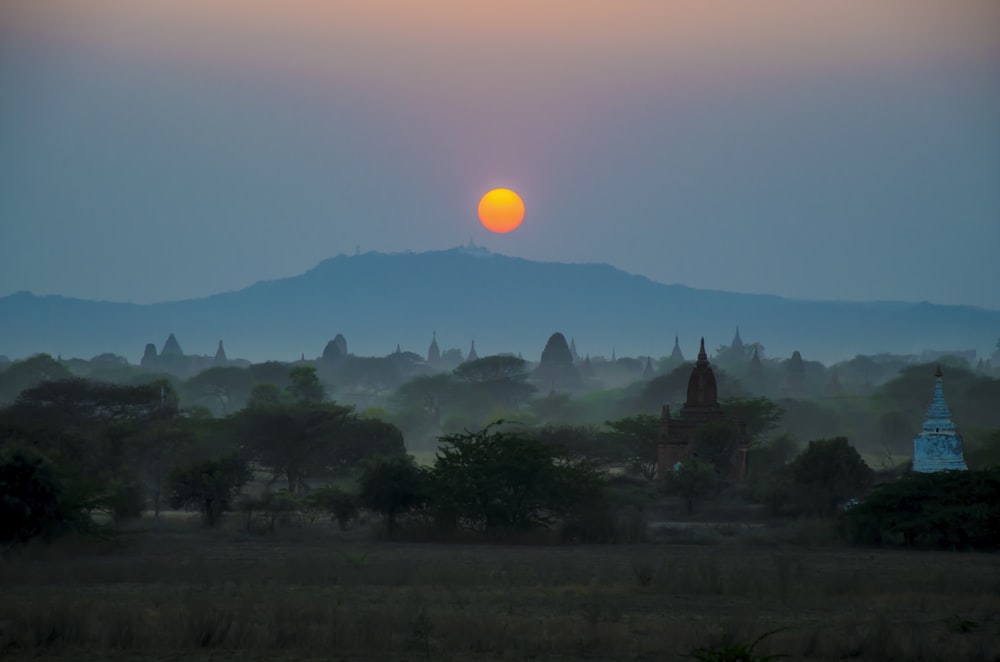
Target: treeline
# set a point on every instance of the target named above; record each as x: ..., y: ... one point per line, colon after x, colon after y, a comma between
x: 877, y: 402
x: 73, y: 448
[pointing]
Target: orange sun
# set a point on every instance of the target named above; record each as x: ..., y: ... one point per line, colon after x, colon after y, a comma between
x: 501, y: 210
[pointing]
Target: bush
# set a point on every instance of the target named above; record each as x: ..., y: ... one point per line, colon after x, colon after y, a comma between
x: 947, y: 510
x: 826, y: 474
x: 210, y: 485
x: 392, y: 486
x: 125, y: 499
x: 494, y: 481
x: 691, y: 481
x: 34, y: 503
x: 339, y: 505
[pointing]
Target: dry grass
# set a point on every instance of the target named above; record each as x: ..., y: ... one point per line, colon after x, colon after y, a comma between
x: 181, y: 591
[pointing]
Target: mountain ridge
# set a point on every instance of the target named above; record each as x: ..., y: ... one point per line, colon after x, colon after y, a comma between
x: 379, y: 300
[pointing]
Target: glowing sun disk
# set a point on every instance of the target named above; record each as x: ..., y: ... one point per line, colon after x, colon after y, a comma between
x: 501, y: 210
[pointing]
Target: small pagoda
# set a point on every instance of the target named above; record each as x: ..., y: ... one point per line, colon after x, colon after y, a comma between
x: 938, y: 447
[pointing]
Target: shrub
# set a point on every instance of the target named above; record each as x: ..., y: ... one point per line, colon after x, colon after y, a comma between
x: 947, y: 510
x: 339, y: 505
x: 392, y: 486
x: 691, y: 481
x: 826, y: 474
x: 34, y: 502
x: 210, y: 485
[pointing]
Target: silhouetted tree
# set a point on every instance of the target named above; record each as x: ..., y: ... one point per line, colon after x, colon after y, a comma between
x: 209, y: 485
x: 304, y: 385
x: 392, y: 486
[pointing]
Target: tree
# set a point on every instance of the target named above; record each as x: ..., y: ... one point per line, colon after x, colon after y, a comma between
x: 340, y: 505
x: 429, y: 395
x: 499, y: 380
x: 264, y: 395
x: 225, y: 388
x: 33, y: 501
x: 21, y: 375
x: 636, y: 439
x: 827, y: 473
x: 760, y: 415
x: 693, y: 480
x: 494, y: 480
x: 209, y: 485
x: 304, y: 385
x: 716, y: 443
x: 392, y: 486
x: 293, y: 441
x: 949, y: 510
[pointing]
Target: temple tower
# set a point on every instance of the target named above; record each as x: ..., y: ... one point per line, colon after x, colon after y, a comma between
x: 220, y: 355
x: 472, y: 352
x: 701, y: 408
x: 433, y: 352
x: 677, y: 355
x: 737, y: 343
x: 171, y: 347
x: 938, y: 447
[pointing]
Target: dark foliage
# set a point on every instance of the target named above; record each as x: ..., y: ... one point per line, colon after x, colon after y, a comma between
x: 209, y: 486
x: 392, y: 486
x: 34, y: 502
x: 497, y: 481
x: 826, y: 474
x: 947, y: 510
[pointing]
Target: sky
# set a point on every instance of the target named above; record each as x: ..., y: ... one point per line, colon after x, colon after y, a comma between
x: 169, y: 149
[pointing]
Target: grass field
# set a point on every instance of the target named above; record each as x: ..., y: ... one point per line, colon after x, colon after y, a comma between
x: 177, y: 591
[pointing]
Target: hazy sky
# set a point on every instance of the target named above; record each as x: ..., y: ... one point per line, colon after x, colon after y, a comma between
x: 166, y: 149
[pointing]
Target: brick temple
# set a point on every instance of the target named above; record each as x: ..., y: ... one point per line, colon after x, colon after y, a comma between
x: 701, y: 408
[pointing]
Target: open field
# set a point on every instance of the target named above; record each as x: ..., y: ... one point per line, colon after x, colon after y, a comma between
x: 177, y: 591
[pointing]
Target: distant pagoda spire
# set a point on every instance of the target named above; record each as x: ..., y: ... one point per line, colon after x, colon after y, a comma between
x: 220, y: 354
x: 648, y: 370
x: 677, y: 354
x: 433, y: 352
x: 938, y: 447
x: 171, y: 347
x: 737, y: 341
x: 572, y: 350
x: 472, y: 352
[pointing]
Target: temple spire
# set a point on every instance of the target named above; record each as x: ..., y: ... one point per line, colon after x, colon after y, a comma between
x: 737, y: 341
x: 938, y: 447
x: 677, y: 354
x: 702, y: 355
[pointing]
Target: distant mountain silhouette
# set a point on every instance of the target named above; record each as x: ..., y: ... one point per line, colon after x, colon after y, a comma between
x: 506, y: 304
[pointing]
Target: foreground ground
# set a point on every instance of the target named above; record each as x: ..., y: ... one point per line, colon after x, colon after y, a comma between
x: 176, y: 591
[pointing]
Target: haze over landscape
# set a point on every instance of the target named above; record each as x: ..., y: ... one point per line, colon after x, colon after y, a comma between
x: 537, y: 329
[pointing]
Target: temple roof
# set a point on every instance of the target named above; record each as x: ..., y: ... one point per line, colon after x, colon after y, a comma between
x: 938, y: 413
x: 433, y: 352
x: 737, y: 341
x: 171, y: 347
x: 702, y: 391
x: 677, y: 355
